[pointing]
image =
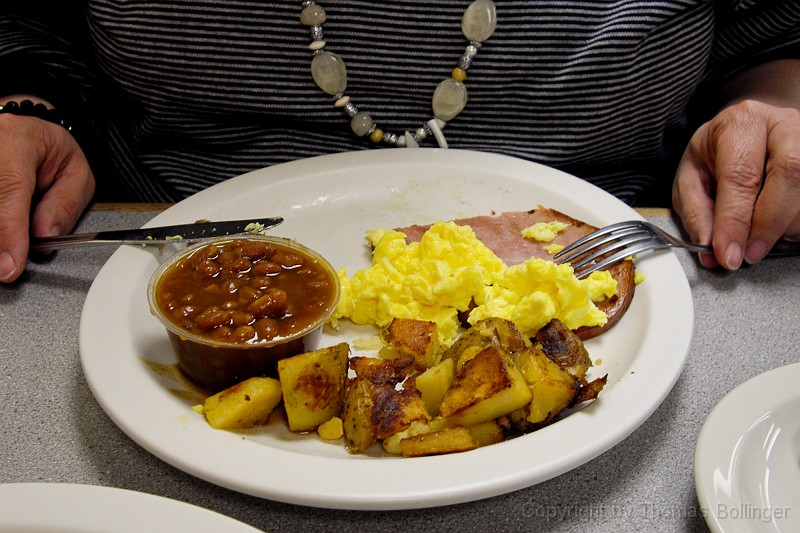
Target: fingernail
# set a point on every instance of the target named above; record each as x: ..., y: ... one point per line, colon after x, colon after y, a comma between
x: 733, y: 256
x: 708, y: 260
x: 7, y: 266
x: 55, y: 231
x: 756, y: 251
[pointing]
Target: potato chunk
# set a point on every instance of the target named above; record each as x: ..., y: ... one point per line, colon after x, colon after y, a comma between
x: 488, y: 386
x: 564, y: 348
x: 313, y: 385
x: 359, y: 431
x: 496, y: 332
x: 448, y: 440
x: 553, y: 389
x: 487, y: 433
x: 433, y: 384
x: 374, y: 407
x: 416, y: 339
x: 243, y: 405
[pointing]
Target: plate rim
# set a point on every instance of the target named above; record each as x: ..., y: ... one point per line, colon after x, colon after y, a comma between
x: 669, y: 370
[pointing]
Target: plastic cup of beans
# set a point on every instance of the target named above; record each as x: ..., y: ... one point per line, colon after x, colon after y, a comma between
x: 234, y: 306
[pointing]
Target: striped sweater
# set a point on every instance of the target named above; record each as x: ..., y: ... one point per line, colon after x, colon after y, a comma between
x: 174, y: 96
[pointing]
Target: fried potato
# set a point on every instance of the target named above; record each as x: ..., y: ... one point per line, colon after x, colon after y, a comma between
x: 359, y: 431
x: 448, y: 440
x: 552, y: 388
x: 417, y: 339
x: 433, y: 384
x: 313, y: 386
x: 565, y: 348
x: 488, y: 386
x: 487, y: 433
x: 374, y: 407
x: 488, y: 332
x: 243, y: 405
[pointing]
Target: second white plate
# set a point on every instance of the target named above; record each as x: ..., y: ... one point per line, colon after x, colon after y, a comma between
x: 329, y: 203
x: 747, y: 458
x: 70, y: 508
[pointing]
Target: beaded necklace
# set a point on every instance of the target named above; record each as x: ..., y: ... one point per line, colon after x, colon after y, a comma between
x: 449, y: 98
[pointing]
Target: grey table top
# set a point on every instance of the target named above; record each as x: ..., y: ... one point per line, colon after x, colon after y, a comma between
x: 53, y: 430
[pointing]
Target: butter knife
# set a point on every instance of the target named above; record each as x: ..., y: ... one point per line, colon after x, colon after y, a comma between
x: 158, y: 235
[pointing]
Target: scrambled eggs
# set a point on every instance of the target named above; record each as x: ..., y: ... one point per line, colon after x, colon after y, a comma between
x: 449, y: 268
x: 544, y: 231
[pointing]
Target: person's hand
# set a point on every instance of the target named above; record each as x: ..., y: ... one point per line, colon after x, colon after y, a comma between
x: 45, y: 184
x: 738, y: 184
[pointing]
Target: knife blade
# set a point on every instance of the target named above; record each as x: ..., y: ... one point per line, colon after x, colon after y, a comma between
x: 158, y: 235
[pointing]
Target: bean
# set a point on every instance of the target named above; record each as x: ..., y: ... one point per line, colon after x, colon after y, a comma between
x: 229, y: 256
x: 249, y: 293
x: 233, y: 285
x: 272, y: 304
x: 222, y: 332
x: 287, y: 259
x: 260, y: 282
x: 243, y: 334
x: 188, y: 298
x: 240, y: 264
x: 208, y: 268
x: 267, y: 328
x: 206, y: 252
x: 213, y: 317
x: 255, y: 250
x: 213, y: 289
x: 187, y: 310
x: 241, y: 318
x: 230, y: 304
x: 265, y: 268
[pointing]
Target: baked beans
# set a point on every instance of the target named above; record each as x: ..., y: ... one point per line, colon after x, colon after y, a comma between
x: 245, y: 291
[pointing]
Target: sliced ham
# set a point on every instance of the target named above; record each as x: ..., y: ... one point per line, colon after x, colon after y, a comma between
x: 501, y: 233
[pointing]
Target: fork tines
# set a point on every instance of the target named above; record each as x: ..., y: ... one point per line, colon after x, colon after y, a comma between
x: 606, y: 246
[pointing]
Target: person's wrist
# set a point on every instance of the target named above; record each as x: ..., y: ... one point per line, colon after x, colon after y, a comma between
x: 26, y: 107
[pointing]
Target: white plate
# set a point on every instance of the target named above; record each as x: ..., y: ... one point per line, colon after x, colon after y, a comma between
x: 747, y: 459
x: 329, y: 203
x: 68, y: 508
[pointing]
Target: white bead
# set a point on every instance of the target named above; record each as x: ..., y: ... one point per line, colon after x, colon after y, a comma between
x: 420, y: 133
x: 343, y: 101
x: 436, y: 126
x: 410, y: 142
x: 401, y: 141
x: 479, y: 20
x: 316, y: 45
x: 449, y: 99
x: 471, y: 50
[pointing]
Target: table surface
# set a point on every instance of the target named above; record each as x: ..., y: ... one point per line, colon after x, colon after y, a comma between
x: 54, y: 431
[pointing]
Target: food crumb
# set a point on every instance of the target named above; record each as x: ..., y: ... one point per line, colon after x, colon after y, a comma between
x: 553, y: 249
x: 544, y: 231
x: 333, y: 429
x: 373, y: 343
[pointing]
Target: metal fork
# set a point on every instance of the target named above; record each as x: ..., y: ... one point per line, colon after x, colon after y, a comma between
x: 616, y: 242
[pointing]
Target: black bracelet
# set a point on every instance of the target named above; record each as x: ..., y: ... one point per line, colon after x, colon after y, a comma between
x: 27, y: 108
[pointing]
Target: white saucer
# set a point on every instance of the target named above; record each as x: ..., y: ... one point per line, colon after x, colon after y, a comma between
x: 65, y: 507
x: 747, y: 459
